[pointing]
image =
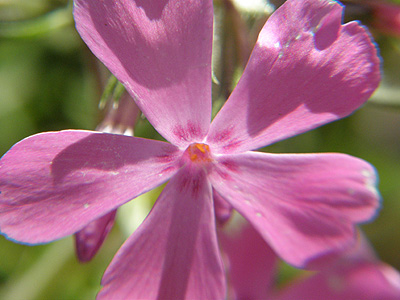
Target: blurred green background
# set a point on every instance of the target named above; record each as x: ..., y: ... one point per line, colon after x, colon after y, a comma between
x: 49, y: 81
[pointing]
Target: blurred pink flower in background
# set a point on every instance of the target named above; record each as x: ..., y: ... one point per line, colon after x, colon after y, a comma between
x: 382, y: 15
x: 89, y: 239
x: 386, y: 17
x: 353, y: 274
x: 251, y: 265
x: 307, y: 69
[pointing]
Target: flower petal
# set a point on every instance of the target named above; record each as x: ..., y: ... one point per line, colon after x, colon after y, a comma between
x: 222, y: 209
x: 174, y: 253
x: 359, y: 251
x: 366, y: 281
x: 252, y: 263
x: 306, y: 70
x: 89, y: 239
x: 161, y: 52
x: 55, y: 183
x: 304, y: 205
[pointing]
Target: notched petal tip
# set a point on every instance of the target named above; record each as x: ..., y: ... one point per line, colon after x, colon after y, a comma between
x: 306, y: 70
x: 326, y: 32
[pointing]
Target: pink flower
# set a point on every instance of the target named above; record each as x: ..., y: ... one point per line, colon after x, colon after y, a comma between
x: 357, y: 274
x: 353, y: 274
x: 250, y: 263
x: 352, y: 281
x: 307, y: 69
x: 386, y: 17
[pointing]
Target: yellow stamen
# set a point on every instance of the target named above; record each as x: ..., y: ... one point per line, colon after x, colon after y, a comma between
x: 199, y: 152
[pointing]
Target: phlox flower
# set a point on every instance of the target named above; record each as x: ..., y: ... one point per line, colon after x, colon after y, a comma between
x: 251, y: 265
x: 386, y: 17
x: 356, y: 274
x: 306, y: 69
x: 352, y: 274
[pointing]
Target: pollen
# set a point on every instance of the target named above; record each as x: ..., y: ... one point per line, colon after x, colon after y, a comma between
x: 199, y: 152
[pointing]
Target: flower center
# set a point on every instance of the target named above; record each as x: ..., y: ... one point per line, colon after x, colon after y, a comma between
x: 198, y: 152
